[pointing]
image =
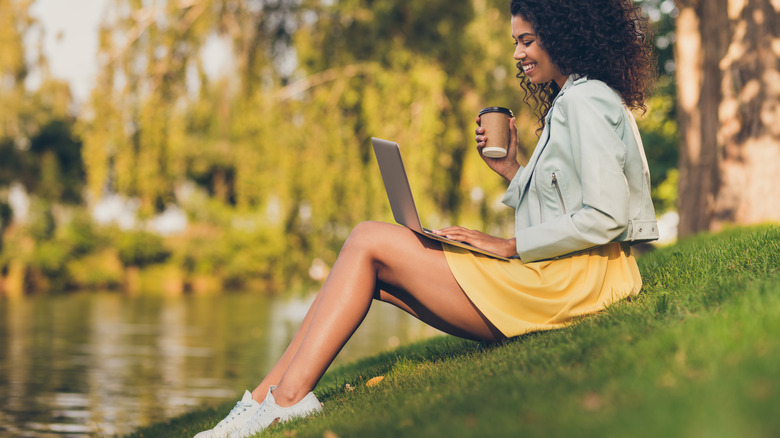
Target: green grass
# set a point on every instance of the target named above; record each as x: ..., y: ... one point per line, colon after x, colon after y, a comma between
x: 696, y: 354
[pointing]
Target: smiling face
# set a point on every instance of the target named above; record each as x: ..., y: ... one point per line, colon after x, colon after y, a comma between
x: 534, y: 61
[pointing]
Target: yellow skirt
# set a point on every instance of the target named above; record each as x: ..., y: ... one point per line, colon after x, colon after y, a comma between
x: 520, y: 297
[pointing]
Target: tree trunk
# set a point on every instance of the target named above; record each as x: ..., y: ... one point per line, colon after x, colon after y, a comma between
x: 729, y: 112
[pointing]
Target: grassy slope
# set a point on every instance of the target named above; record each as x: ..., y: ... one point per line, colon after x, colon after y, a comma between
x: 696, y: 354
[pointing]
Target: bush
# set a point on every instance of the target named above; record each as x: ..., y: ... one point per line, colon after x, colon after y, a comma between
x: 141, y: 248
x: 81, y: 235
x: 101, y: 270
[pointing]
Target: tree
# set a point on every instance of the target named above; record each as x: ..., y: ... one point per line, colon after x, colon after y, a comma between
x: 154, y: 118
x: 37, y: 146
x: 14, y: 24
x: 729, y: 112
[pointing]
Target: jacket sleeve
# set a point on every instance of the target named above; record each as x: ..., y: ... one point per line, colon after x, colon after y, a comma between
x: 598, y: 154
x: 512, y: 195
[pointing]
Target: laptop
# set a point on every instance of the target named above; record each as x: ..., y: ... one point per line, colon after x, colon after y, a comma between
x: 388, y: 155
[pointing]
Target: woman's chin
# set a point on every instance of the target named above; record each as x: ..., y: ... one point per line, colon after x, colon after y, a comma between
x: 531, y: 79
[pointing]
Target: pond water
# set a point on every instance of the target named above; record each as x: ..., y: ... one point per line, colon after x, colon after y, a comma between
x: 101, y: 364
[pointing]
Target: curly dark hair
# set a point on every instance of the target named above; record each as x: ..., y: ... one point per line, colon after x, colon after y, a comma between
x: 608, y: 40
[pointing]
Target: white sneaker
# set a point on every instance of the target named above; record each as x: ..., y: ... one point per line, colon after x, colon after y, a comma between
x: 241, y: 413
x: 270, y: 413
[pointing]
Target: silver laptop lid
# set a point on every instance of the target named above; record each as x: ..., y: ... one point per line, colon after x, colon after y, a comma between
x: 397, y: 186
x: 391, y: 166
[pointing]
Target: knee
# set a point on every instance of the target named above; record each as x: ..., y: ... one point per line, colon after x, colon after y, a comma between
x: 369, y: 237
x: 381, y: 240
x: 364, y: 234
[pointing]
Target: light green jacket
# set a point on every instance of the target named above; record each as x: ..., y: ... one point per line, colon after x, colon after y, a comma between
x: 587, y: 182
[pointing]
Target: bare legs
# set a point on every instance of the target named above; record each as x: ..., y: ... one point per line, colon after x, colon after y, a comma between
x: 378, y: 261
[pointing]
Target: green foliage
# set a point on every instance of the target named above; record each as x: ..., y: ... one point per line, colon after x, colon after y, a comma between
x: 665, y: 193
x: 72, y: 254
x: 303, y: 140
x: 50, y: 257
x: 254, y: 256
x: 37, y: 147
x: 80, y: 235
x: 661, y: 139
x: 101, y: 270
x: 59, y: 173
x: 140, y: 248
x: 43, y: 154
x: 40, y: 223
x: 693, y: 355
x: 14, y: 24
x: 5, y: 215
x: 234, y: 257
x: 659, y: 125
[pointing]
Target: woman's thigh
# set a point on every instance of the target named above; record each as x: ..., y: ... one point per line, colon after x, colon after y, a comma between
x: 413, y: 274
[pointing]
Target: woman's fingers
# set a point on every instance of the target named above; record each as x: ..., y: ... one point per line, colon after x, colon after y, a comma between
x: 480, y: 137
x: 457, y: 233
x: 450, y: 229
x: 480, y: 240
x: 513, y: 144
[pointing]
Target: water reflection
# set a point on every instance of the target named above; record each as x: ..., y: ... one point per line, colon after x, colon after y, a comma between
x: 97, y: 364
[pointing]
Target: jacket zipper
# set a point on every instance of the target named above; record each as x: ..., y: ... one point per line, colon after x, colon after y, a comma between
x: 558, y: 190
x: 536, y: 183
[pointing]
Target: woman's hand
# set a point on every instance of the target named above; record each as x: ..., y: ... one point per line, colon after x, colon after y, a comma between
x: 507, y: 166
x: 497, y: 245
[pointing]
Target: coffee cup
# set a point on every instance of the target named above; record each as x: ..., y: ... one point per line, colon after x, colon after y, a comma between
x: 495, y: 121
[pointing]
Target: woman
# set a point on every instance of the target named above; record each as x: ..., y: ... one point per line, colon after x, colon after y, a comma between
x: 580, y: 201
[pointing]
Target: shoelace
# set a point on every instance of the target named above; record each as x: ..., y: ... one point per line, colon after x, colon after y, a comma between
x: 234, y: 412
x: 254, y: 422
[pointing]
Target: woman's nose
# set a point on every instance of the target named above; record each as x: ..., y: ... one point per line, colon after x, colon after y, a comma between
x: 519, y: 53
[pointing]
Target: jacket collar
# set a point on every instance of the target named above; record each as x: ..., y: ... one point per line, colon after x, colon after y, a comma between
x: 569, y: 81
x: 573, y: 79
